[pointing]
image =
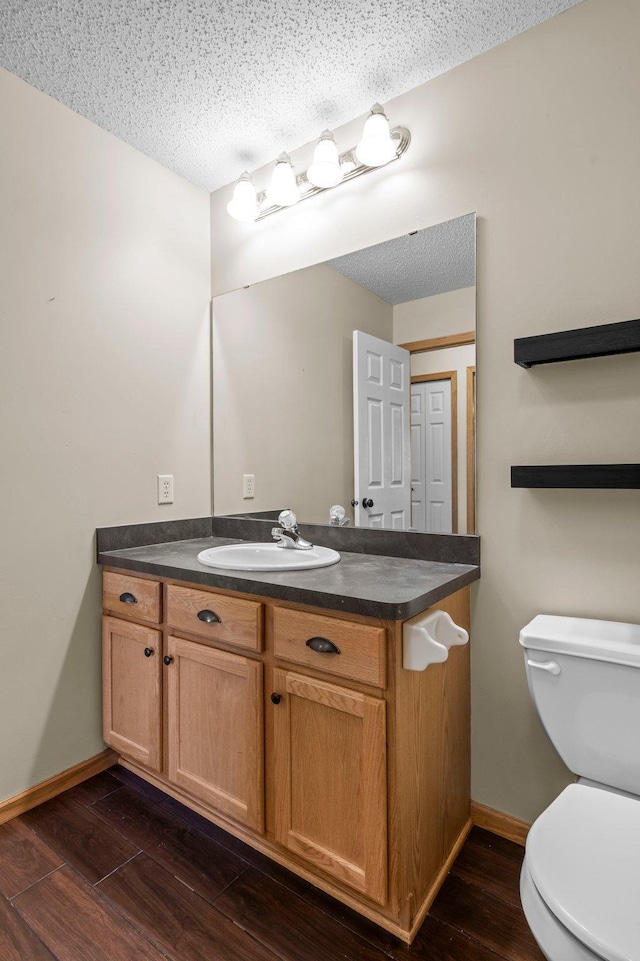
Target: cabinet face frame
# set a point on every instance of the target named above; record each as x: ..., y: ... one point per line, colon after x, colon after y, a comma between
x: 245, y: 805
x: 140, y: 688
x: 370, y: 876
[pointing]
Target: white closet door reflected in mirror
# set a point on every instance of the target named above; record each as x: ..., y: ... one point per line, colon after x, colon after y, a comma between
x: 432, y: 494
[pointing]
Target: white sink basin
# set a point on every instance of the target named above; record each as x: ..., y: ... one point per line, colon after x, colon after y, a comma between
x: 267, y: 557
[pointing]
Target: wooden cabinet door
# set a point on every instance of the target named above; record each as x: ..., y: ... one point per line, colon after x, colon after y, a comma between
x: 215, y: 723
x: 132, y: 690
x: 330, y: 788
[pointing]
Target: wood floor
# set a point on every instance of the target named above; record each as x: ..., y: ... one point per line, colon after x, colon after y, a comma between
x: 113, y: 870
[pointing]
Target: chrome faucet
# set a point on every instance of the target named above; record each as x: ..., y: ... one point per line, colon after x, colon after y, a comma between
x: 337, y: 516
x: 287, y: 534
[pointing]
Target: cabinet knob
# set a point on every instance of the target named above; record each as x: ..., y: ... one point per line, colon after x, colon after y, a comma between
x: 209, y: 617
x: 128, y: 598
x: 322, y: 645
x: 167, y: 660
x: 148, y: 651
x: 276, y: 698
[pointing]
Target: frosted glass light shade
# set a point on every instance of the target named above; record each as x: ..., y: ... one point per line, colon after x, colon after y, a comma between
x: 376, y: 147
x: 325, y: 171
x: 283, y: 189
x: 244, y: 203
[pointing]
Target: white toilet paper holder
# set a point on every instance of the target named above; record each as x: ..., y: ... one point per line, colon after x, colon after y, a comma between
x: 426, y: 639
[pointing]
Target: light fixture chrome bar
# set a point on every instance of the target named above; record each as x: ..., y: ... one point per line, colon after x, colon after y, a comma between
x: 401, y: 134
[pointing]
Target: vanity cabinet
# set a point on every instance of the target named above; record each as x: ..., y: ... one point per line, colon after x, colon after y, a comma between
x: 297, y: 730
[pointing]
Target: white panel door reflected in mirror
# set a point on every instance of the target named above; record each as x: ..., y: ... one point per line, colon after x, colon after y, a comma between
x: 381, y: 433
x: 432, y: 495
x: 283, y: 385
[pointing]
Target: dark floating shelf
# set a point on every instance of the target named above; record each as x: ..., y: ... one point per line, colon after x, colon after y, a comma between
x: 601, y: 341
x: 604, y: 476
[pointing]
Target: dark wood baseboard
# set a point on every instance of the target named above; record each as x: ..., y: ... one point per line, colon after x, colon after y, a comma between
x: 499, y: 823
x: 55, y: 785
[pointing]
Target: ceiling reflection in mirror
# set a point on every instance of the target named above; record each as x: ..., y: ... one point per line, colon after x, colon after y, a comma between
x: 352, y: 383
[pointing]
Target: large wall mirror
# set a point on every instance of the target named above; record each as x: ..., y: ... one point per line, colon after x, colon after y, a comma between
x: 352, y: 383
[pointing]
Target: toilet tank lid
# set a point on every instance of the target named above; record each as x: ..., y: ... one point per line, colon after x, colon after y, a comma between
x: 583, y: 637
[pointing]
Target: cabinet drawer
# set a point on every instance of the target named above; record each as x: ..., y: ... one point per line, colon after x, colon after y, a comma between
x: 215, y: 616
x: 361, y: 646
x: 131, y: 596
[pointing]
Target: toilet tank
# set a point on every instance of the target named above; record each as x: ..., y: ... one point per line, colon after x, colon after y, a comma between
x: 584, y: 678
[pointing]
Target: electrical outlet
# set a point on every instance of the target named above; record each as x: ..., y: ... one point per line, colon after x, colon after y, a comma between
x: 165, y: 488
x: 248, y: 486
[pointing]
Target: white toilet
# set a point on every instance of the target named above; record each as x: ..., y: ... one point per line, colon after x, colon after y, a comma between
x: 580, y: 881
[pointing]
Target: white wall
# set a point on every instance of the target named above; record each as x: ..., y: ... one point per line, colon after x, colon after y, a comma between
x: 104, y: 358
x: 441, y: 315
x: 283, y: 390
x: 539, y: 136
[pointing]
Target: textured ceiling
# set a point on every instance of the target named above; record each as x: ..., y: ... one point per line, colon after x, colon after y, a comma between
x: 211, y: 87
x: 431, y: 261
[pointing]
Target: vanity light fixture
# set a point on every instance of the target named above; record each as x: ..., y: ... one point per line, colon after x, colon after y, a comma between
x: 244, y: 203
x: 283, y: 189
x: 379, y: 146
x: 325, y: 171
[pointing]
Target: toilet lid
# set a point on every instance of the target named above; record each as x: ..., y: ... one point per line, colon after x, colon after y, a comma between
x: 583, y: 854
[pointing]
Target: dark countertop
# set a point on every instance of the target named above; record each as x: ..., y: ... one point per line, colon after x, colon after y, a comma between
x: 393, y: 588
